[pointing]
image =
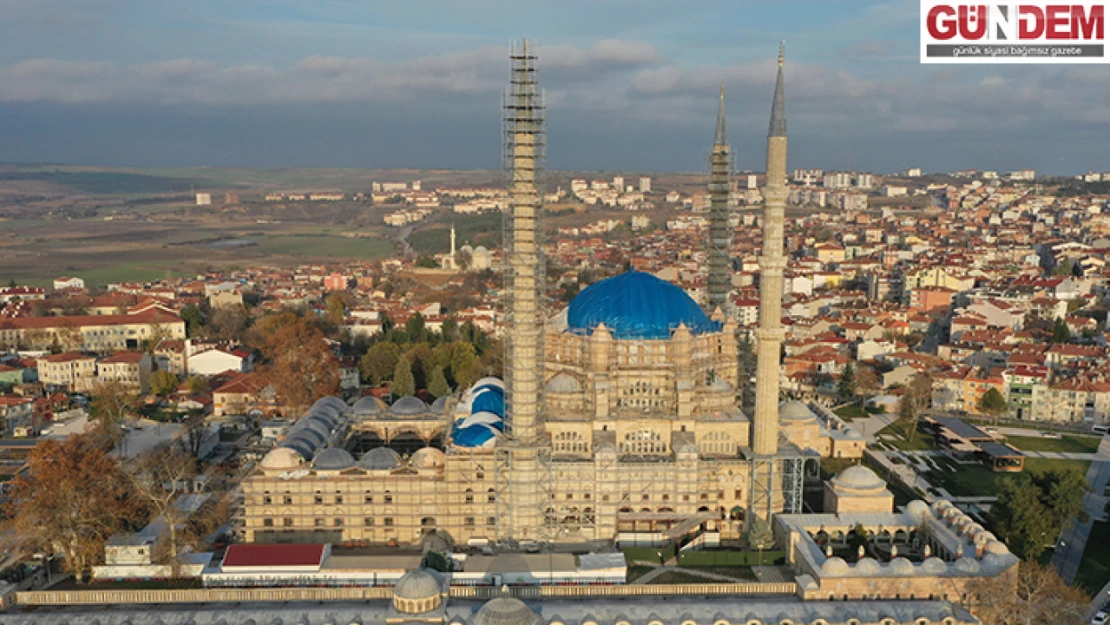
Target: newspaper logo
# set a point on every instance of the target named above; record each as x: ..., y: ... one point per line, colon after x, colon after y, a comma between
x: 1037, y: 32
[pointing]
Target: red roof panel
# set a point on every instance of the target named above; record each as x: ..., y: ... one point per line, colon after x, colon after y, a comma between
x: 274, y: 555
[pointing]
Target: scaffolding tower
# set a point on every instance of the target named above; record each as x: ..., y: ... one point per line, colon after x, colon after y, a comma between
x: 720, y: 235
x: 522, y: 498
x: 777, y: 483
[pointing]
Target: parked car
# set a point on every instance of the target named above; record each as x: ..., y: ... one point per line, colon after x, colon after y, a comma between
x: 1100, y: 618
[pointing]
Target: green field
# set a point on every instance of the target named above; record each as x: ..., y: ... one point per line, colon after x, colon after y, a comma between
x: 323, y: 246
x: 850, y: 411
x: 128, y: 273
x: 1067, y: 444
x: 897, y: 432
x: 965, y: 480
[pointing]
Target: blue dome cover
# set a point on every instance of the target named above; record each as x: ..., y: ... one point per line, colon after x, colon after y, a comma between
x: 637, y: 305
x: 489, y: 401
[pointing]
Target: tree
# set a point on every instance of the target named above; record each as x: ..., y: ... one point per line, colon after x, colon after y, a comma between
x: 162, y: 382
x: 403, y: 382
x: 915, y: 399
x: 378, y: 363
x: 1034, y: 596
x: 437, y: 385
x: 414, y: 327
x: 992, y: 404
x: 158, y: 478
x: 427, y: 262
x: 193, y: 319
x: 72, y: 498
x: 1060, y: 331
x: 337, y: 308
x: 301, y: 366
x: 1032, y: 509
x: 197, y: 384
x: 867, y: 384
x: 227, y: 323
x: 112, y: 402
x: 846, y: 389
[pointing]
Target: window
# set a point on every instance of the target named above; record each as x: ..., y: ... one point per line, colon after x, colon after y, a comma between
x: 388, y: 498
x: 339, y: 522
x: 267, y: 500
x: 666, y: 497
x: 287, y: 522
x: 319, y: 499
x: 492, y: 495
x: 605, y: 497
x: 469, y: 521
x: 267, y: 522
x: 737, y: 494
x: 339, y: 499
x: 388, y: 522
x: 469, y: 495
x: 318, y: 522
x: 569, y: 496
x: 647, y: 497
x: 288, y: 499
x: 369, y: 499
x: 368, y: 522
x: 491, y: 520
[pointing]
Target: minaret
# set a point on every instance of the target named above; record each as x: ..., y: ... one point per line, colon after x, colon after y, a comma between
x: 720, y: 237
x: 451, y: 260
x: 519, y: 476
x: 770, y: 334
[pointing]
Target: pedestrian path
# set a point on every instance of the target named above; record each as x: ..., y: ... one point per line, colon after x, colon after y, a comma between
x: 1073, y: 541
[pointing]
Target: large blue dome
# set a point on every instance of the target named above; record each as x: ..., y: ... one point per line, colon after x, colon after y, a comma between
x: 637, y: 305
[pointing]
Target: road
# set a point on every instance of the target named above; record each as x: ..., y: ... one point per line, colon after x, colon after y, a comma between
x: 1073, y: 541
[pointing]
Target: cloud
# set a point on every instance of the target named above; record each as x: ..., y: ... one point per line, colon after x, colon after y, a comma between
x: 873, y: 48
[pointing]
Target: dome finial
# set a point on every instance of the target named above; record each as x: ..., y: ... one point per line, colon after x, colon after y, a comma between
x: 782, y: 53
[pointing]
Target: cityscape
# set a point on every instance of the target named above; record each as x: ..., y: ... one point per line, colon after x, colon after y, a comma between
x: 752, y: 394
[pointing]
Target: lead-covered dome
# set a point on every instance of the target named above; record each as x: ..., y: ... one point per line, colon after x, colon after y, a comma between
x: 506, y: 611
x: 858, y: 478
x: 408, y: 406
x: 637, y: 305
x: 333, y: 459
x: 796, y: 411
x: 380, y: 459
x: 281, y: 459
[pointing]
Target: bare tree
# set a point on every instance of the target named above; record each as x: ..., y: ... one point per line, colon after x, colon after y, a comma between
x: 1033, y: 594
x: 159, y: 478
x: 915, y: 400
x: 112, y: 403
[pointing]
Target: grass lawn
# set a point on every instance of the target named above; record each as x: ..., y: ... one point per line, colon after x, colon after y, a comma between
x: 128, y: 272
x: 1067, y: 444
x: 897, y: 432
x: 975, y: 480
x: 851, y: 411
x: 1094, y: 569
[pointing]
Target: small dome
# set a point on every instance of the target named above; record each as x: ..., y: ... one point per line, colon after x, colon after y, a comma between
x: 367, y: 407
x: 380, y: 459
x: 466, y: 248
x: 281, y: 459
x: 428, y: 458
x: 417, y: 592
x: 868, y: 566
x: 901, y: 566
x: 481, y: 249
x: 998, y: 561
x: 835, y: 566
x: 918, y: 509
x: 489, y: 381
x: 563, y: 383
x: 408, y: 406
x: 419, y: 584
x: 997, y: 547
x: 934, y: 566
x: 858, y: 478
x: 795, y: 411
x: 332, y: 402
x: 506, y: 611
x: 940, y: 505
x: 967, y: 565
x: 302, y: 445
x: 333, y: 459
x: 310, y: 436
x: 439, y: 406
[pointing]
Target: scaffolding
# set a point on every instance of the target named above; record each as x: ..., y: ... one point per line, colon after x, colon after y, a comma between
x: 522, y: 458
x: 777, y: 483
x: 720, y: 235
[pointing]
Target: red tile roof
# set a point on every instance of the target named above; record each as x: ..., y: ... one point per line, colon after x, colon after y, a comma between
x: 274, y: 555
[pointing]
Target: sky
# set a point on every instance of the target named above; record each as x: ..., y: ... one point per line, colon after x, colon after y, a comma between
x: 630, y: 86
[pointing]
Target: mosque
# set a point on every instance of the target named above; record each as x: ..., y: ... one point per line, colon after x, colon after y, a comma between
x: 618, y: 418
x: 616, y: 421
